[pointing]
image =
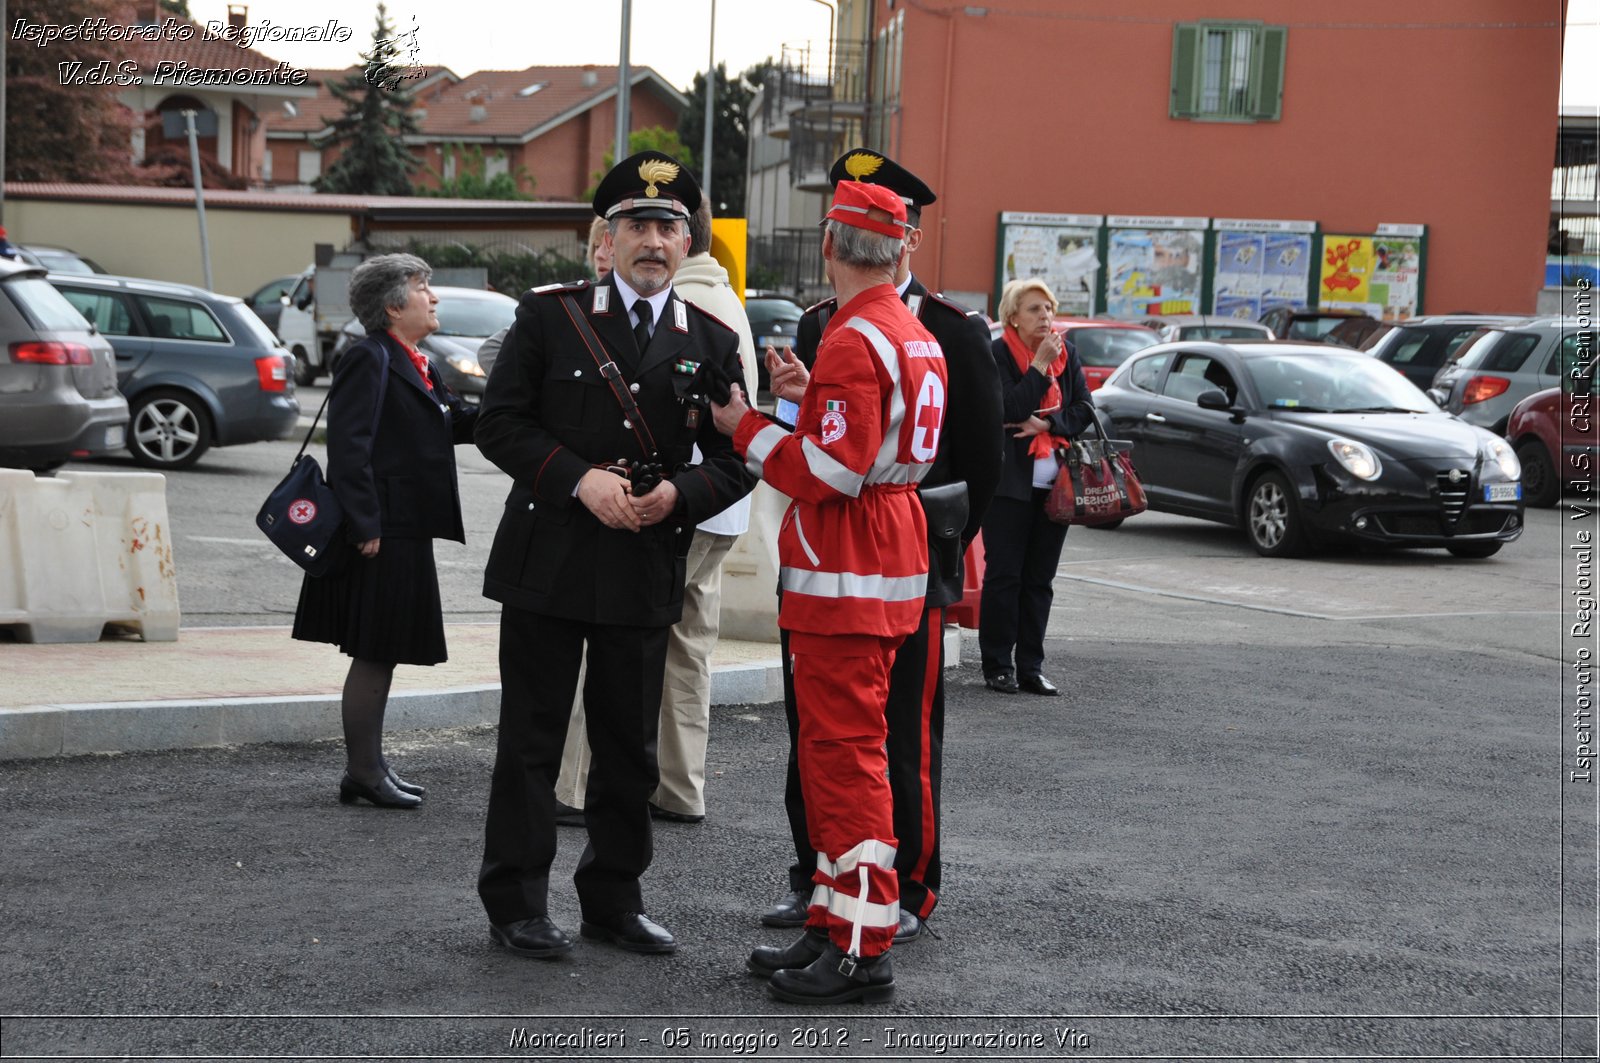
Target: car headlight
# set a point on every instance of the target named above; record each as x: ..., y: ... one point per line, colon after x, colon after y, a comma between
x: 465, y: 366
x: 1497, y: 450
x: 1357, y: 458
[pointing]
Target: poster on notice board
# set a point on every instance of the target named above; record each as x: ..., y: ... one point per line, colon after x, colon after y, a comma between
x: 1260, y: 265
x: 1378, y: 274
x: 1060, y: 249
x: 1154, y: 266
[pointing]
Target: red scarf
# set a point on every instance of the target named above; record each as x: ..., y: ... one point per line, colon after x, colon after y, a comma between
x: 1041, y: 445
x: 418, y: 359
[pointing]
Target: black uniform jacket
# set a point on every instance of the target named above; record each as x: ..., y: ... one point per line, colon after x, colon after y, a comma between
x: 549, y: 417
x: 1022, y: 393
x: 400, y: 483
x: 970, y: 441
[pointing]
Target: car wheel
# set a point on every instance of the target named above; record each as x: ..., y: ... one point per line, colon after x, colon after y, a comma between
x: 168, y: 429
x: 1108, y: 525
x: 1272, y: 518
x: 1541, y: 486
x: 305, y: 374
x: 1475, y: 549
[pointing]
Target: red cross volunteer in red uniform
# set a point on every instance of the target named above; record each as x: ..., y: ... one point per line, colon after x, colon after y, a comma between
x: 852, y: 553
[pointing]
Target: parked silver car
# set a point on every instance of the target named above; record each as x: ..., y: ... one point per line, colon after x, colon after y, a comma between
x: 58, y: 379
x: 1173, y: 327
x: 199, y: 369
x: 1499, y: 366
x: 1417, y: 348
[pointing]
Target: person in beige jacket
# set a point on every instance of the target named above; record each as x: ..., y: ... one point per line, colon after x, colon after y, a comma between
x: 686, y: 695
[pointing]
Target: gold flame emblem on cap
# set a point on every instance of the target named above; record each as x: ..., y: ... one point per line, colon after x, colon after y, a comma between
x: 653, y: 171
x: 861, y: 165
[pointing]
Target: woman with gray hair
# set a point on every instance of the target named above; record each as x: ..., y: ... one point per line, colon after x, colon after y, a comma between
x: 392, y: 426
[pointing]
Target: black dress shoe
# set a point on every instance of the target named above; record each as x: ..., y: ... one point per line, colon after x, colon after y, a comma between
x: 792, y: 911
x: 568, y: 816
x: 910, y: 928
x: 401, y: 785
x: 834, y: 978
x: 1004, y: 682
x: 1038, y: 684
x: 631, y: 931
x: 383, y: 793
x: 766, y: 961
x: 538, y: 937
x: 657, y: 812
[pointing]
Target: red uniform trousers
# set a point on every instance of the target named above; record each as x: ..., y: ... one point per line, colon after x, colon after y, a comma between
x: 841, y: 684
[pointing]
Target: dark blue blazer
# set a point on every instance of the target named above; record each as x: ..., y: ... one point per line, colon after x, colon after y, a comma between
x: 1020, y: 394
x: 400, y: 480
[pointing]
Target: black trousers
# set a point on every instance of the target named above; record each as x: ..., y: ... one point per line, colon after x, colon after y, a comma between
x: 539, y: 659
x: 915, y: 715
x: 1022, y: 548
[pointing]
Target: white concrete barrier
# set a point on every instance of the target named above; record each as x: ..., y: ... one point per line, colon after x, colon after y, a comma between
x: 82, y: 550
x: 750, y: 572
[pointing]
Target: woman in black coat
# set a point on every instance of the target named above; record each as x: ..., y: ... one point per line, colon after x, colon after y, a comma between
x: 392, y: 430
x: 1046, y: 403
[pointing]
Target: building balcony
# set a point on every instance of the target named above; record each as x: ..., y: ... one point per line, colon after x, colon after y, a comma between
x: 810, y: 84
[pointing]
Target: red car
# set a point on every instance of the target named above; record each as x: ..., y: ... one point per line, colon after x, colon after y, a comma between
x: 1555, y: 421
x: 1103, y: 344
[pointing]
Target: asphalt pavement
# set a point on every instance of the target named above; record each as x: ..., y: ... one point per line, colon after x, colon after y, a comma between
x: 1327, y: 824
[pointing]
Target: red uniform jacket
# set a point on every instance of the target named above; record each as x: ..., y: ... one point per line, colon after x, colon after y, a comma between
x: 852, y: 550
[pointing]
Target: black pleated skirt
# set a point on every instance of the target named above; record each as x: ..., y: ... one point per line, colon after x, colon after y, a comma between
x: 384, y: 608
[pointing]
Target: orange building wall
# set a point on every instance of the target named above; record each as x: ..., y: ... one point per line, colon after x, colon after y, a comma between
x: 1451, y: 127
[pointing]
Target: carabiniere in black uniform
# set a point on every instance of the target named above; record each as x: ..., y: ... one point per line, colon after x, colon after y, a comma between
x: 569, y: 585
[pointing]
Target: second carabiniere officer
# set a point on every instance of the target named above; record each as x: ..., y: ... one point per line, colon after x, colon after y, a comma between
x: 591, y: 408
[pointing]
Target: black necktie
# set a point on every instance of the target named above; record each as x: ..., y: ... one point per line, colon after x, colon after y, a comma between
x: 641, y: 331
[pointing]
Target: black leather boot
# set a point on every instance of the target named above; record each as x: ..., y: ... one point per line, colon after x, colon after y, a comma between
x: 766, y: 961
x: 835, y: 978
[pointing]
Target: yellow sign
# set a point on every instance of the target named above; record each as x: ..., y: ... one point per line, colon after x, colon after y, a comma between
x: 728, y: 248
x: 1346, y: 271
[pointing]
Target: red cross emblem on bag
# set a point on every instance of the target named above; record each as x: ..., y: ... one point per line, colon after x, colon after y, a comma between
x: 302, y: 511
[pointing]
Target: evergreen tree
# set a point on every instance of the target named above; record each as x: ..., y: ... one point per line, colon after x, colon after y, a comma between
x: 377, y: 114
x: 730, y: 137
x: 56, y: 131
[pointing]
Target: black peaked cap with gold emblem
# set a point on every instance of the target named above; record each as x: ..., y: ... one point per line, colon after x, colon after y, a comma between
x: 650, y: 184
x: 875, y: 168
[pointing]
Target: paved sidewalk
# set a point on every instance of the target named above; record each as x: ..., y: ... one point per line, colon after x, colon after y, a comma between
x: 233, y: 685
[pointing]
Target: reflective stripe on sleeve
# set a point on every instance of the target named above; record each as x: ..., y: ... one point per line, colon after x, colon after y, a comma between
x: 853, y: 585
x: 755, y: 455
x: 830, y: 470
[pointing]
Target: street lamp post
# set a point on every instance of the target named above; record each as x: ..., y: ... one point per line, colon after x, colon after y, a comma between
x: 711, y: 95
x: 624, y: 76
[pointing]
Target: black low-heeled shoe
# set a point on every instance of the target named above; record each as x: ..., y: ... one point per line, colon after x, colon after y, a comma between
x: 1038, y: 684
x: 401, y: 785
x: 1001, y: 682
x: 384, y: 793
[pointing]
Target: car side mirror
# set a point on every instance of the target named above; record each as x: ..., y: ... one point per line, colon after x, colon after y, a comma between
x: 1213, y: 399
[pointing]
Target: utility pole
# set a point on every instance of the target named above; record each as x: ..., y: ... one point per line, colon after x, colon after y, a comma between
x: 711, y: 95
x: 624, y: 90
x: 199, y: 199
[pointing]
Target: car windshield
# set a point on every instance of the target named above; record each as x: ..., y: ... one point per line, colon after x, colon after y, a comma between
x: 1108, y: 347
x: 1312, y: 328
x: 1320, y: 384
x: 43, y: 306
x: 480, y: 317
x: 772, y: 315
x: 1222, y: 332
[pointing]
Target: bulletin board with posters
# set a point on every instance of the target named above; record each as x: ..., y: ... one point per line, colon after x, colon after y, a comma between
x: 1259, y: 265
x: 1063, y: 250
x: 1377, y: 273
x: 1154, y: 265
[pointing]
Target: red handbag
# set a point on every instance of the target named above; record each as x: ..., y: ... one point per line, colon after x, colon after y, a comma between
x: 1097, y: 483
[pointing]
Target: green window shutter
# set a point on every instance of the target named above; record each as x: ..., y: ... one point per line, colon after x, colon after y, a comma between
x: 1185, y: 70
x: 1266, y: 77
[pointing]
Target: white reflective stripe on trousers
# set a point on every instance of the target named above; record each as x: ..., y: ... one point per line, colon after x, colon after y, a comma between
x: 853, y: 585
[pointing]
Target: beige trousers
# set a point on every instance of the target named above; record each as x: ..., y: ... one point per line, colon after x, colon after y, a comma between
x: 685, y: 694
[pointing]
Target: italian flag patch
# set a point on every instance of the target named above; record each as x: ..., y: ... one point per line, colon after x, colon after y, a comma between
x: 834, y: 406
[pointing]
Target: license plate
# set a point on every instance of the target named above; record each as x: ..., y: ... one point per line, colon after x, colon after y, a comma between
x: 1502, y: 492
x: 115, y: 437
